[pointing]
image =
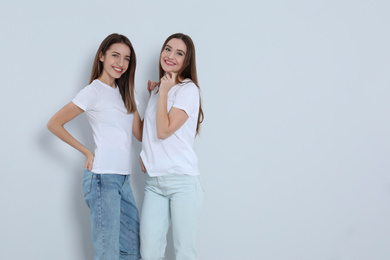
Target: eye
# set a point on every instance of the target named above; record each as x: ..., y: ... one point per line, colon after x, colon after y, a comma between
x: 167, y: 49
x: 180, y: 54
x: 115, y: 55
x: 128, y: 59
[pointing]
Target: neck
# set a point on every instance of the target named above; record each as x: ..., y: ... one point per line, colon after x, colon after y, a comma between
x: 107, y: 80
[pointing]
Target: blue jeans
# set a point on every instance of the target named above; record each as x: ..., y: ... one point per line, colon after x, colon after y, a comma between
x: 114, y: 216
x: 172, y: 198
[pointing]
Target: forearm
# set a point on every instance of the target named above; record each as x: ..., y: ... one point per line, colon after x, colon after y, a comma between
x: 138, y: 126
x: 168, y: 123
x: 65, y: 136
x: 162, y: 117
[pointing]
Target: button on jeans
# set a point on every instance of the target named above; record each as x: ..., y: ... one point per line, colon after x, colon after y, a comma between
x: 172, y: 198
x: 114, y: 216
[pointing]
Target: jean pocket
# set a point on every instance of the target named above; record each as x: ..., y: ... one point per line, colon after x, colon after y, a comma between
x: 87, y: 182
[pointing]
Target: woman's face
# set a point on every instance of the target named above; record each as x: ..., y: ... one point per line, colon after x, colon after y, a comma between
x: 173, y: 55
x: 115, y: 61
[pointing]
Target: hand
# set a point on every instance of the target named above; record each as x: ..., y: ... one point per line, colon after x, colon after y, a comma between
x: 89, y: 161
x: 152, y: 85
x: 167, y: 82
x: 142, y: 165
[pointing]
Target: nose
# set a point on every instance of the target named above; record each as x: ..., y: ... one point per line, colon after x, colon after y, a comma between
x: 121, y: 62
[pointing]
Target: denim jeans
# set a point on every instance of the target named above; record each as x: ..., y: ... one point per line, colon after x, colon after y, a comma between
x: 114, y: 216
x: 172, y: 198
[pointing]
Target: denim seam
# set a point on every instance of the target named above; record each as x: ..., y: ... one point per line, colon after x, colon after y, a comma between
x: 128, y: 227
x: 100, y: 213
x: 90, y: 186
x: 126, y: 220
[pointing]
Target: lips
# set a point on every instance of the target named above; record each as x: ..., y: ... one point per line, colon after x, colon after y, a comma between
x: 118, y: 70
x: 169, y: 63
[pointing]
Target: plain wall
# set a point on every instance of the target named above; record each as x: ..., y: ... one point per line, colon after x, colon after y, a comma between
x: 294, y: 150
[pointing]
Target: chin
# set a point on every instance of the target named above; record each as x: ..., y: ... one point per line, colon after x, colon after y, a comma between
x: 117, y: 76
x: 170, y: 71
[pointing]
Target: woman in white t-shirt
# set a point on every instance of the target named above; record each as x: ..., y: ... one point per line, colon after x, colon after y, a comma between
x: 173, y: 192
x: 110, y: 106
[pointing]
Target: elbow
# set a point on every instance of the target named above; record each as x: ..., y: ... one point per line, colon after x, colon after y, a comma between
x: 137, y: 132
x: 163, y: 132
x: 50, y: 125
x: 53, y: 125
x: 139, y: 137
x: 161, y: 135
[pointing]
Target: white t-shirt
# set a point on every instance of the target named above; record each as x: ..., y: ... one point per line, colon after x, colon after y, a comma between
x: 111, y: 126
x: 175, y: 154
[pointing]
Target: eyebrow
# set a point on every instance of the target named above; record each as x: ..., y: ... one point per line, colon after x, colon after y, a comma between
x: 172, y: 48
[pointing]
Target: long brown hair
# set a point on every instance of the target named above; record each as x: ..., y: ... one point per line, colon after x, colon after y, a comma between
x: 126, y: 81
x: 188, y: 70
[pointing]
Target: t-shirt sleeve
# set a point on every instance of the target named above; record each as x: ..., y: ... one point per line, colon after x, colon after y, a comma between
x: 187, y: 98
x: 87, y: 98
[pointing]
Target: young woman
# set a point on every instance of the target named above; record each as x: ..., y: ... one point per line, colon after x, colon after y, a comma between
x: 111, y: 110
x: 173, y: 192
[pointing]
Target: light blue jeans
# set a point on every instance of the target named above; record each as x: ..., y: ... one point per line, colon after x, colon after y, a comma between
x: 114, y: 216
x: 172, y: 198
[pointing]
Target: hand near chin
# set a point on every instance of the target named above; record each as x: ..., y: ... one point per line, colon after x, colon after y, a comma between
x: 167, y: 82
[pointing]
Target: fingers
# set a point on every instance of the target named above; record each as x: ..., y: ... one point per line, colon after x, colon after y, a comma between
x: 168, y: 81
x: 88, y: 165
x: 152, y: 85
x: 169, y: 77
x: 89, y: 162
x: 148, y: 87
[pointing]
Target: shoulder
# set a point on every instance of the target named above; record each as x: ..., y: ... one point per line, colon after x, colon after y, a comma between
x: 87, y: 96
x: 94, y: 86
x: 188, y: 87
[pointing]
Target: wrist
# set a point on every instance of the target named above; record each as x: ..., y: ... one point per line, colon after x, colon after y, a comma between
x: 163, y: 94
x: 88, y: 153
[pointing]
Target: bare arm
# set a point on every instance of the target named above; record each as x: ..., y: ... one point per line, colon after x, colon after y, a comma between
x: 138, y: 126
x: 168, y: 123
x: 56, y: 126
x: 143, y: 169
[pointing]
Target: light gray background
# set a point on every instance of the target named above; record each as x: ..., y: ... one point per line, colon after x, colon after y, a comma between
x: 294, y: 151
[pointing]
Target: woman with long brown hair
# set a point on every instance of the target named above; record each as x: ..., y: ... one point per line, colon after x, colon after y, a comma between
x: 173, y: 192
x: 110, y: 106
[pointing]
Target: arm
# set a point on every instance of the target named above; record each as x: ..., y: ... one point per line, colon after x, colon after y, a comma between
x: 56, y: 126
x: 138, y: 126
x: 168, y: 123
x: 143, y: 169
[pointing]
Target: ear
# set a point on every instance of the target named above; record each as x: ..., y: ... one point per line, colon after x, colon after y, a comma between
x: 101, y: 57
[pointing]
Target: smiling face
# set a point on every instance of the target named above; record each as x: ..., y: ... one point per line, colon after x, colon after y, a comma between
x: 115, y: 62
x: 173, y: 55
